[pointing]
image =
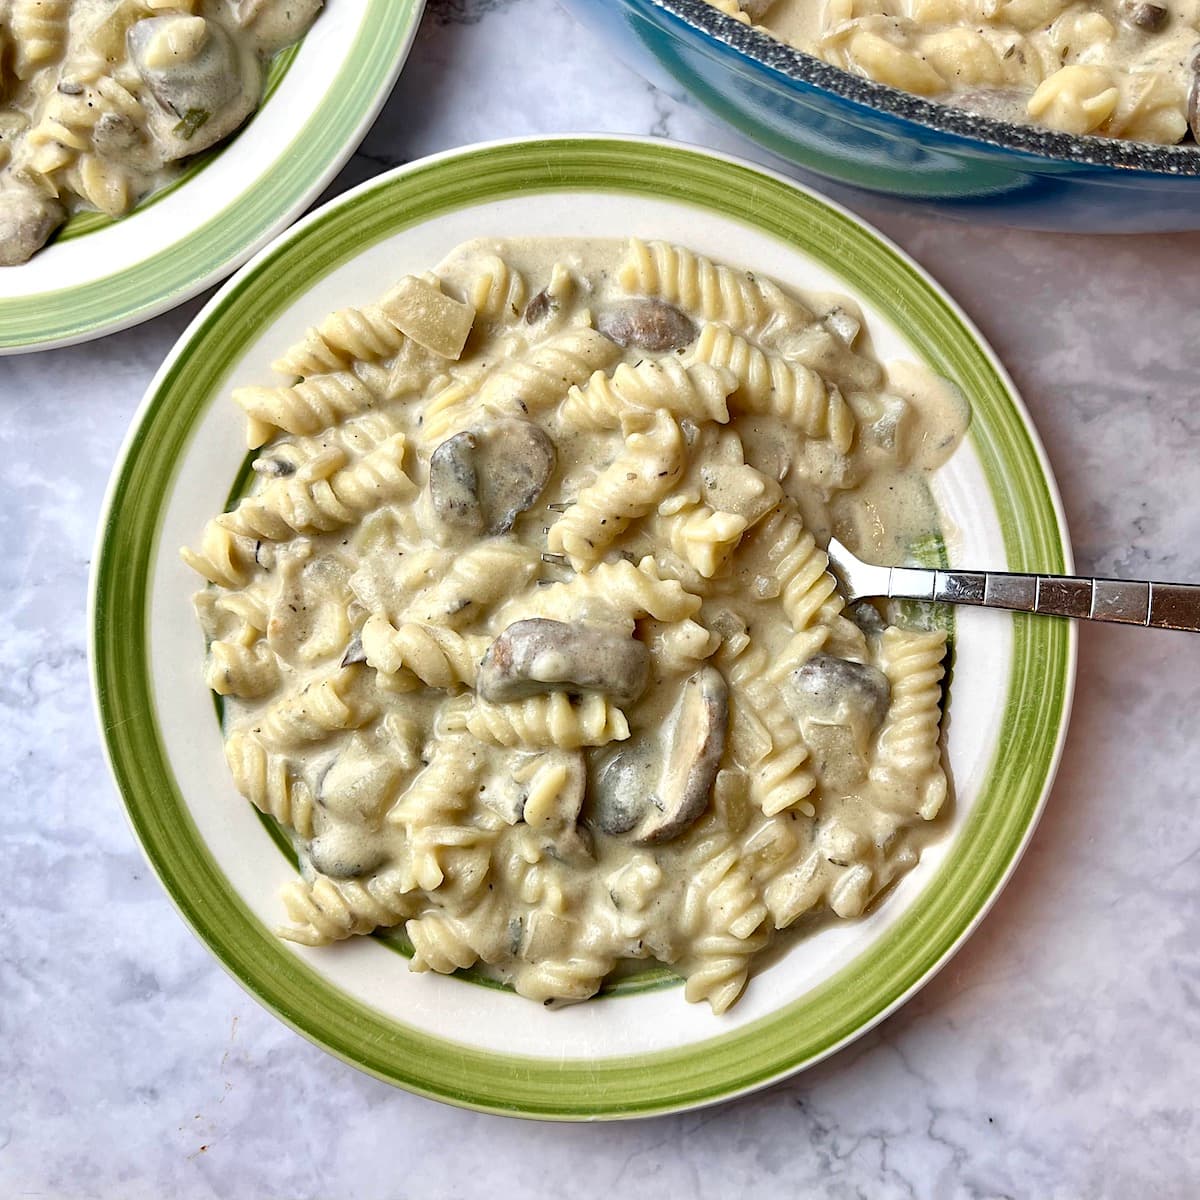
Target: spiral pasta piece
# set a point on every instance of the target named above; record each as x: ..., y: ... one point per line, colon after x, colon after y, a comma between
x: 545, y: 721
x: 770, y: 384
x: 808, y: 590
x: 303, y: 408
x: 320, y: 497
x: 264, y: 779
x: 621, y: 590
x: 543, y: 375
x: 330, y: 910
x: 703, y: 537
x: 351, y: 334
x: 438, y: 657
x: 636, y: 481
x: 497, y: 292
x: 908, y: 753
x: 224, y: 558
x: 755, y: 307
x: 39, y: 33
x: 318, y: 709
x: 653, y: 385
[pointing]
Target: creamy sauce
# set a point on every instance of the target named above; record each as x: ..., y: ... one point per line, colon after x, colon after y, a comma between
x: 101, y: 99
x: 525, y: 633
x: 1121, y: 68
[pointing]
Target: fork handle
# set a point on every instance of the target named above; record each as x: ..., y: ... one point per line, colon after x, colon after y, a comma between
x: 1128, y: 602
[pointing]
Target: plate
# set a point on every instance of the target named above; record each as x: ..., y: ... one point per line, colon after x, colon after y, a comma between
x: 100, y: 275
x: 640, y: 1050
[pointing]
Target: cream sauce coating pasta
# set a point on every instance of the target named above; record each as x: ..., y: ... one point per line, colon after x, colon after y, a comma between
x: 101, y: 99
x: 526, y: 631
x: 1118, y: 68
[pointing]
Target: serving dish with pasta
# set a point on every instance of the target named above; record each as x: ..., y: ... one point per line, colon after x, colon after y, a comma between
x: 524, y: 648
x: 149, y: 146
x: 102, y: 102
x: 1119, y: 68
x: 1071, y: 117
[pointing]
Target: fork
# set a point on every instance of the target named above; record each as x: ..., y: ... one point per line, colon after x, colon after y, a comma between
x: 1125, y: 601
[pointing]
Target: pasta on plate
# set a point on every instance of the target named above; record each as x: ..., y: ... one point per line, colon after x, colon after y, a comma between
x: 526, y: 632
x: 101, y: 99
x: 1119, y: 68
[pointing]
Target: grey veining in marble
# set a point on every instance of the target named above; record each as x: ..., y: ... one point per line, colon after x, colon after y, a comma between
x: 1056, y: 1057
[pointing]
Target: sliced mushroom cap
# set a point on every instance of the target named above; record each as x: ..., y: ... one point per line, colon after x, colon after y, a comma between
x: 835, y: 691
x: 454, y: 483
x: 866, y: 616
x: 651, y: 796
x: 341, y: 851
x: 697, y: 743
x: 539, y: 308
x: 189, y: 64
x: 536, y: 656
x: 620, y: 796
x: 1152, y: 18
x: 273, y: 467
x: 480, y: 481
x: 27, y: 219
x: 354, y: 651
x: 648, y: 325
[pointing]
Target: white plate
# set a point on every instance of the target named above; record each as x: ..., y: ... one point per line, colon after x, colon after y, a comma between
x: 102, y: 275
x: 629, y: 1053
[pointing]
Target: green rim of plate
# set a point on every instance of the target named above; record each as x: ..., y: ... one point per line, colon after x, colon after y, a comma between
x: 1037, y: 695
x: 274, y: 196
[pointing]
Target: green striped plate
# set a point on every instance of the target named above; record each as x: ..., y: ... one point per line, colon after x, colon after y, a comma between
x: 641, y: 1050
x: 99, y: 275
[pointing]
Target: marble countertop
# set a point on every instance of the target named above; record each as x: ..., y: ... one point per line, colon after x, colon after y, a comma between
x: 1057, y: 1056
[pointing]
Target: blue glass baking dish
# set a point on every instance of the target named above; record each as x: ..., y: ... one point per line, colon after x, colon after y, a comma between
x: 876, y: 139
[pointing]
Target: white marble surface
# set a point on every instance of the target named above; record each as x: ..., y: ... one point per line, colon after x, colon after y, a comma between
x: 1057, y: 1057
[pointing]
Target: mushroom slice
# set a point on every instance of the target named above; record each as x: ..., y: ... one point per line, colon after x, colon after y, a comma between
x: 341, y: 851
x: 841, y: 705
x: 27, y: 219
x: 697, y: 742
x: 620, y: 795
x: 648, y: 325
x: 835, y: 691
x: 518, y: 460
x: 540, y: 307
x: 189, y: 64
x: 454, y: 483
x: 354, y: 651
x: 536, y: 656
x: 654, y: 797
x: 483, y: 479
x: 1152, y: 18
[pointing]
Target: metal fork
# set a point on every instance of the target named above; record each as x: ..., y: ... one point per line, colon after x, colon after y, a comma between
x: 1128, y: 602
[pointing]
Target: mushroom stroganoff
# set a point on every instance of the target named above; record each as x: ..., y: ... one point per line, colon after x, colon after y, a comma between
x: 100, y: 99
x: 526, y: 632
x: 1119, y: 68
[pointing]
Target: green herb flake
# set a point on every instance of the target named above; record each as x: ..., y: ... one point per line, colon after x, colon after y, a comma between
x: 193, y: 119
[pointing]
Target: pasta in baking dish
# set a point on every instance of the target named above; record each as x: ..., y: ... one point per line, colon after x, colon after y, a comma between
x: 526, y: 632
x: 101, y: 99
x: 1119, y: 68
